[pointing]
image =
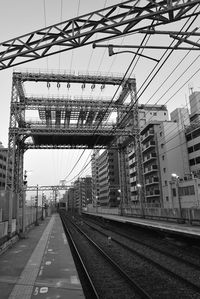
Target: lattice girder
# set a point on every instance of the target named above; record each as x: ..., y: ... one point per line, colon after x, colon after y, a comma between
x: 116, y: 20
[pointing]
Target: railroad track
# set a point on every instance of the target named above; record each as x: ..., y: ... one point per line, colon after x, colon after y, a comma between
x: 112, y: 281
x: 172, y: 282
x: 157, y: 248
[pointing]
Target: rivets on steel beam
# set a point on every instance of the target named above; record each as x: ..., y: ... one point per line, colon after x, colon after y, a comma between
x: 68, y: 85
x: 83, y: 86
x: 92, y: 86
x: 58, y: 85
x: 48, y: 85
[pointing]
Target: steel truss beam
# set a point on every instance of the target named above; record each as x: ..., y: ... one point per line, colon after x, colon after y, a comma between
x: 69, y: 77
x: 74, y: 131
x: 116, y: 20
x: 47, y: 188
x: 33, y: 103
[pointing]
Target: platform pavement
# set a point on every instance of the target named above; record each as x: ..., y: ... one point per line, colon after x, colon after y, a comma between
x: 40, y: 266
x: 186, y: 229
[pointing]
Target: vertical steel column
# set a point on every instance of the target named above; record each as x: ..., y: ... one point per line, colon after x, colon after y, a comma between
x: 10, y: 186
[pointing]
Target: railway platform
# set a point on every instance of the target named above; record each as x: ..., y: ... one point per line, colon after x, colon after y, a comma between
x: 40, y: 266
x: 173, y: 228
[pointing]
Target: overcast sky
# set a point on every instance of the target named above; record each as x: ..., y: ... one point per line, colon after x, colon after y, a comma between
x: 23, y: 16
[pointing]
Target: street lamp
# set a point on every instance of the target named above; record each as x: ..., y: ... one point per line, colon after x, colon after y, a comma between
x: 36, y: 206
x: 24, y: 202
x: 96, y: 203
x: 139, y: 188
x: 176, y: 178
x: 43, y: 196
x: 120, y: 202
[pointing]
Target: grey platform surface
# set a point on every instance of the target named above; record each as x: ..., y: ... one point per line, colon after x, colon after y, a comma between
x: 40, y: 266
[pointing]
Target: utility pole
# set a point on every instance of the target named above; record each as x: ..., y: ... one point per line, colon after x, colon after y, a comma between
x: 24, y: 203
x: 36, y: 206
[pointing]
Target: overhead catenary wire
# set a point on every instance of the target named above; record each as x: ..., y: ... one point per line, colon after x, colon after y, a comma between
x: 137, y: 97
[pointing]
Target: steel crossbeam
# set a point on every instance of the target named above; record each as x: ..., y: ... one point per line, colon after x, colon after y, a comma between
x: 73, y: 130
x: 112, y: 21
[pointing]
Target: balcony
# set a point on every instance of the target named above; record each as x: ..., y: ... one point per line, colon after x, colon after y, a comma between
x: 149, y: 145
x: 153, y: 193
x: 132, y: 170
x: 152, y: 181
x: 152, y: 168
x: 149, y: 157
x: 148, y: 135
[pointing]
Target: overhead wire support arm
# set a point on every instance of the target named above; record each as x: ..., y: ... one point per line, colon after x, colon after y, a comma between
x: 111, y: 52
x: 113, y: 21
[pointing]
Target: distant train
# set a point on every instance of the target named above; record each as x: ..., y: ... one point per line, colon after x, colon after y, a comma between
x: 62, y: 205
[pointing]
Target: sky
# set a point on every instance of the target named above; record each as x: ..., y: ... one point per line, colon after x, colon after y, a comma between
x: 48, y: 167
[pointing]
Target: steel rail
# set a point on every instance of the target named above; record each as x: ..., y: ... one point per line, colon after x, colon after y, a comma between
x: 84, y: 269
x: 132, y: 283
x: 149, y: 260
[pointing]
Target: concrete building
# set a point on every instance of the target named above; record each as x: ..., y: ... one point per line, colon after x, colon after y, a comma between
x: 147, y: 113
x: 181, y: 116
x: 70, y: 199
x: 80, y: 194
x: 3, y: 164
x: 194, y: 100
x: 185, y: 193
x: 193, y: 145
x: 173, y: 157
x: 163, y: 153
x: 192, y: 133
x: 95, y: 176
x: 108, y: 178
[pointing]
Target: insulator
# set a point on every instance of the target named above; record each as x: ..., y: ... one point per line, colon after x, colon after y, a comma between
x: 58, y: 85
x: 48, y: 85
x: 68, y: 85
x: 102, y: 86
x: 93, y: 86
x: 83, y: 86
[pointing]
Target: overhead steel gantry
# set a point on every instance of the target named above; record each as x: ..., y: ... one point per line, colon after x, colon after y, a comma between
x: 114, y: 21
x: 63, y: 122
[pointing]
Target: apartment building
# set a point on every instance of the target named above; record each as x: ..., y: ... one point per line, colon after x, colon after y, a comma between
x: 192, y: 133
x: 147, y: 113
x: 95, y: 176
x: 163, y: 153
x: 3, y: 165
x: 173, y: 157
x: 80, y: 194
x: 108, y: 178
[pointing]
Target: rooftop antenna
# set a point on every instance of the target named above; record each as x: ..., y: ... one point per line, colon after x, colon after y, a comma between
x: 191, y: 88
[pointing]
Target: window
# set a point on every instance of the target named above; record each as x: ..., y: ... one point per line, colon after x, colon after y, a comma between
x: 197, y: 147
x: 164, y: 169
x: 197, y: 160
x: 165, y: 113
x: 155, y: 113
x: 163, y: 157
x: 160, y: 134
x: 167, y: 198
x: 165, y: 183
x: 189, y: 137
x: 192, y: 162
x: 162, y: 145
x: 190, y: 149
x: 174, y: 192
